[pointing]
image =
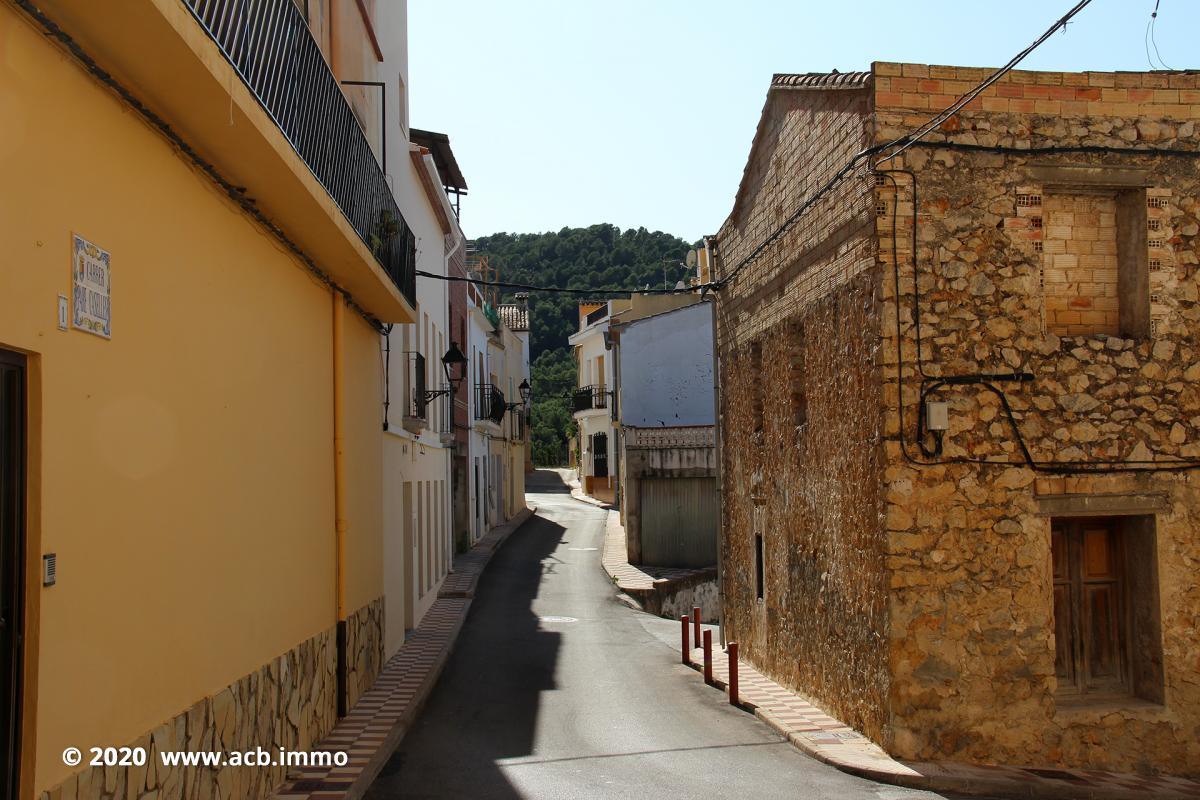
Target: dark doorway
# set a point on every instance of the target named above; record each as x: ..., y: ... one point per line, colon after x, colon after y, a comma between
x: 12, y: 535
x: 600, y: 455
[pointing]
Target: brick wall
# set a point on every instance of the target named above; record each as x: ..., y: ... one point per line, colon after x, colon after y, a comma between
x: 1080, y: 263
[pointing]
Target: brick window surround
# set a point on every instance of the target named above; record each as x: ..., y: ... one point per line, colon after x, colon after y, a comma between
x: 1107, y: 635
x: 1095, y: 264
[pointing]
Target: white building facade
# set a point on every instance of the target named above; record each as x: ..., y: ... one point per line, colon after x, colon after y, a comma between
x: 591, y: 404
x: 418, y: 547
x: 499, y: 362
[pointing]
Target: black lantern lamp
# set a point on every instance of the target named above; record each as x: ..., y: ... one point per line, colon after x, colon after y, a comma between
x: 525, y: 389
x: 452, y: 357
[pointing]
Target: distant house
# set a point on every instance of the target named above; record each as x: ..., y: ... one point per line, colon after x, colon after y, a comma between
x: 664, y: 401
x: 590, y: 402
x: 961, y: 417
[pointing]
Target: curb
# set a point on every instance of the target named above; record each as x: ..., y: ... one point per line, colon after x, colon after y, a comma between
x: 1006, y: 781
x: 577, y: 494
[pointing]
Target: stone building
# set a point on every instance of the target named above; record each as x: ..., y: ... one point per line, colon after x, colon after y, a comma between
x: 960, y: 412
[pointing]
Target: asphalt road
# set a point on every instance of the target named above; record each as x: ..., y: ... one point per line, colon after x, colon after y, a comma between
x: 556, y: 690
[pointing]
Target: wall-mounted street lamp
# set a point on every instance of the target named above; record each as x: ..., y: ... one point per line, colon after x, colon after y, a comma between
x: 453, y: 357
x: 526, y: 390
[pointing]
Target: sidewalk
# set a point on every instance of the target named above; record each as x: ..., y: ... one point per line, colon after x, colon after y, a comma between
x: 577, y: 492
x: 831, y: 741
x: 373, y: 729
x: 631, y: 578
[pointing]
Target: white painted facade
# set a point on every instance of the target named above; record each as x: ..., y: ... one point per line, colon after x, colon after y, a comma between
x: 666, y: 369
x: 418, y: 545
x: 595, y: 370
x: 496, y: 461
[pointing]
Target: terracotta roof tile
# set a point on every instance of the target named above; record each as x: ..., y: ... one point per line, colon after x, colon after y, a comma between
x: 821, y: 80
x: 514, y: 317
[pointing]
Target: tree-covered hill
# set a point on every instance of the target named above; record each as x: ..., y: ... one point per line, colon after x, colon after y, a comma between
x: 597, y: 257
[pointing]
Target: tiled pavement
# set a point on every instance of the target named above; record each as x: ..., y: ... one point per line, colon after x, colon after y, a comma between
x: 631, y: 578
x: 373, y: 729
x: 829, y: 740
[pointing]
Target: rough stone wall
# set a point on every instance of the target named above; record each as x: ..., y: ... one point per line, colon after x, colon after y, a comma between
x: 971, y: 613
x: 812, y: 491
x: 801, y: 466
x: 364, y: 648
x: 288, y: 703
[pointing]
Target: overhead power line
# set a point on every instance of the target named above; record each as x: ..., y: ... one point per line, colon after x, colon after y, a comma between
x: 889, y: 150
x: 526, y: 287
x: 900, y: 143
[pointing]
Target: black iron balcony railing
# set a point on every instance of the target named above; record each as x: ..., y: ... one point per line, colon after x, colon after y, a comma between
x: 489, y: 403
x: 269, y: 44
x: 588, y: 397
x: 597, y: 315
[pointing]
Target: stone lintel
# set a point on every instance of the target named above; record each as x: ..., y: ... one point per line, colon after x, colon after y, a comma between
x: 1085, y: 505
x: 1078, y: 175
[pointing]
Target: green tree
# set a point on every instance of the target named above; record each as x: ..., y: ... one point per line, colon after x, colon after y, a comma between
x: 600, y: 257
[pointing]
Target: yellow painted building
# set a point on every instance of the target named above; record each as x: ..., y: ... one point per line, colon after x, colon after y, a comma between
x: 203, y: 464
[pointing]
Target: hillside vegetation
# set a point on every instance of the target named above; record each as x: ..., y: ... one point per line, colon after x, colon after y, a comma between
x: 597, y: 257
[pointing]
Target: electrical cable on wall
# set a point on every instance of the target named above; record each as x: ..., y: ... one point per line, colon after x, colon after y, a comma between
x: 235, y: 193
x: 933, y: 383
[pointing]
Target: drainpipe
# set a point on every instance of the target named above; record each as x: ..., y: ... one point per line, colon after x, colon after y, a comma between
x: 340, y: 524
x: 718, y: 450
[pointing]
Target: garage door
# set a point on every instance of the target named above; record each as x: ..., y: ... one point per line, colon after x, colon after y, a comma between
x: 679, y: 522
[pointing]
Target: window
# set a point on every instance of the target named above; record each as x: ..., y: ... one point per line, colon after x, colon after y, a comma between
x: 1107, y: 640
x: 799, y: 396
x: 1095, y: 273
x: 755, y: 382
x: 759, y: 572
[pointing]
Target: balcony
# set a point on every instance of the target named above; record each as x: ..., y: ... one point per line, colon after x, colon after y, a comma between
x: 489, y: 403
x: 587, y: 398
x: 269, y: 45
x: 596, y: 316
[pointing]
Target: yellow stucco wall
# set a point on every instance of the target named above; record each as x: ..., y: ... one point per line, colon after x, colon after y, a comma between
x: 186, y: 470
x: 364, y: 464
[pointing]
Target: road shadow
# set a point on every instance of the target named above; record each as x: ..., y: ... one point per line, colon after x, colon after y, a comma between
x: 547, y: 480
x: 485, y: 705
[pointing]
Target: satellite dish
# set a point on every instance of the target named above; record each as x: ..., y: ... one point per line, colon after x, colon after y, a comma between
x: 691, y: 258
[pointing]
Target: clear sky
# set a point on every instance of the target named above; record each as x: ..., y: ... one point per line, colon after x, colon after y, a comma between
x: 640, y: 112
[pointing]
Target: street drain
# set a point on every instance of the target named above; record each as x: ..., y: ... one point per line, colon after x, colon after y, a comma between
x: 557, y: 619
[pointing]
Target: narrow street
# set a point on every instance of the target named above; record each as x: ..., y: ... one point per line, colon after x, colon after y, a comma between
x: 557, y: 690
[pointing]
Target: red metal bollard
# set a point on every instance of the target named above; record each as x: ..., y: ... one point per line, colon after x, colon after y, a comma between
x: 708, y: 657
x: 733, y: 687
x: 687, y: 650
x: 696, y: 625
